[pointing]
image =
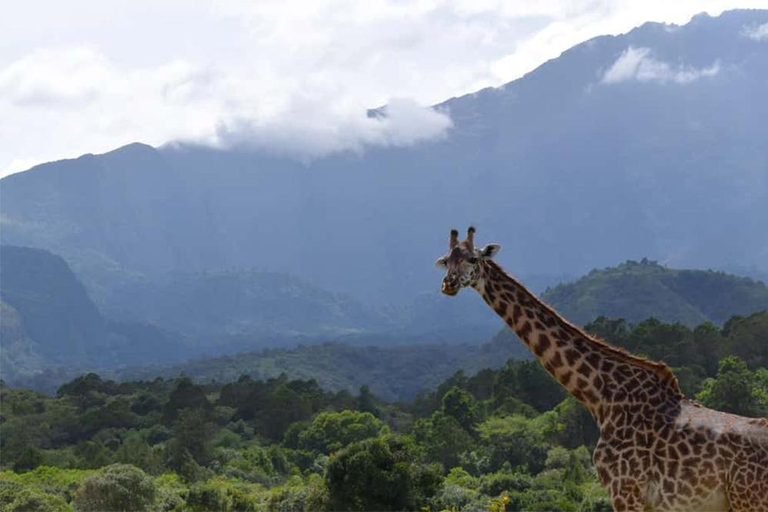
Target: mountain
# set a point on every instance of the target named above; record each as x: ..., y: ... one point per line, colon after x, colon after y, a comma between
x: 49, y: 321
x: 636, y: 291
x: 44, y: 299
x: 242, y: 302
x: 647, y: 143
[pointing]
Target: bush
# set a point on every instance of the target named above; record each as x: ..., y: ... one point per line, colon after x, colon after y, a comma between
x: 223, y: 494
x: 116, y: 487
x: 380, y: 474
x: 171, y: 492
x: 296, y: 496
x: 33, y: 500
x: 452, y: 496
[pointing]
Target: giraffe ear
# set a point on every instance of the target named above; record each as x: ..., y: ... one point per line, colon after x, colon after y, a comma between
x: 489, y: 251
x: 442, y: 262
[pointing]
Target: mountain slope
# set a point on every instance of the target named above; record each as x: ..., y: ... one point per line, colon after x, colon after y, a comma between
x: 573, y: 166
x: 47, y: 320
x: 636, y: 291
x: 241, y: 302
x: 50, y: 304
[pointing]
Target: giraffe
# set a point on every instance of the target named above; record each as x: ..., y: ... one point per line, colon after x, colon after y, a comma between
x: 658, y: 450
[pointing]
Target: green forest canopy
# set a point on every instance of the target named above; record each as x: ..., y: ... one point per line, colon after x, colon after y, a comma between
x: 509, y: 435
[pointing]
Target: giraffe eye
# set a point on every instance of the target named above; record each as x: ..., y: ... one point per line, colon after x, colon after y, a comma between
x: 472, y: 260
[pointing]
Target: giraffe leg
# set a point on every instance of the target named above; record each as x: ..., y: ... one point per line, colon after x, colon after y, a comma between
x: 627, y: 495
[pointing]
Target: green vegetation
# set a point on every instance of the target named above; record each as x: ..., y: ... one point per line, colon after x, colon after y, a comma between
x: 394, y: 373
x: 639, y: 290
x: 504, y: 439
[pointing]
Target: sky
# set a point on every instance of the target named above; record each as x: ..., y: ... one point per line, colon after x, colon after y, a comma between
x: 285, y: 76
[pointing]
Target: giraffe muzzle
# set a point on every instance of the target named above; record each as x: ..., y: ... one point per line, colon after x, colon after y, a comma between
x: 449, y: 289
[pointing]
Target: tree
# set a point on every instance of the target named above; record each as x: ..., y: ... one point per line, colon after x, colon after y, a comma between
x: 86, y: 391
x: 614, y: 331
x: 380, y: 474
x: 116, y: 487
x: 746, y: 338
x: 29, y: 459
x: 710, y: 344
x: 515, y: 440
x: 575, y: 425
x: 735, y: 390
x: 366, y: 401
x: 443, y: 438
x: 137, y: 452
x: 462, y: 406
x: 331, y: 431
x: 193, y: 433
x: 185, y: 395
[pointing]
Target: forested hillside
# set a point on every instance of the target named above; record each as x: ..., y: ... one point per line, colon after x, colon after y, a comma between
x: 52, y: 331
x: 639, y: 290
x: 393, y: 373
x: 506, y: 437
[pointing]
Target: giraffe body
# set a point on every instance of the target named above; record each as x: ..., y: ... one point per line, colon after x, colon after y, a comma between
x: 658, y: 450
x: 682, y: 456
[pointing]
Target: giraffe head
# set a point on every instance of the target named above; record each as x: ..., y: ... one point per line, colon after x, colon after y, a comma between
x: 464, y: 263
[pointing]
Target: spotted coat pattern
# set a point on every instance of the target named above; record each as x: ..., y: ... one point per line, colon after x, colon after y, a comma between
x: 658, y: 450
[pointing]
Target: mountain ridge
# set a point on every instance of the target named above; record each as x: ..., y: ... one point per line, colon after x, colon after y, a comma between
x: 574, y: 172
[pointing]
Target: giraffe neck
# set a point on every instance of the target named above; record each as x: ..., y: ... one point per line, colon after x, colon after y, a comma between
x: 594, y: 372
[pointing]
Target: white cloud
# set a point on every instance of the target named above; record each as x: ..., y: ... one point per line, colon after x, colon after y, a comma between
x: 83, y: 76
x: 756, y: 32
x: 401, y: 123
x: 638, y: 64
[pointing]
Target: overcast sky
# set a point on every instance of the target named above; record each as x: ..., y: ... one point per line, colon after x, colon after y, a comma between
x: 86, y: 76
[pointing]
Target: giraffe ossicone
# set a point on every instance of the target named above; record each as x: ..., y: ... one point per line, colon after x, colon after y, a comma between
x: 658, y: 450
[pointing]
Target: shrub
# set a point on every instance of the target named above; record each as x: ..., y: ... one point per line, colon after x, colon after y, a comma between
x: 33, y: 500
x: 116, y: 487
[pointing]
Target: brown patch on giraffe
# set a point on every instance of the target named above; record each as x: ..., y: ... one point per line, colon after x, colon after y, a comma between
x: 525, y: 331
x: 594, y: 360
x: 584, y: 369
x: 516, y: 313
x: 557, y: 360
x: 542, y: 345
x: 571, y: 356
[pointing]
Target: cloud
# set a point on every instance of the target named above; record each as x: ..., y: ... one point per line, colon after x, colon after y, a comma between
x: 402, y: 122
x: 51, y: 77
x: 297, y: 74
x: 638, y: 64
x: 756, y: 32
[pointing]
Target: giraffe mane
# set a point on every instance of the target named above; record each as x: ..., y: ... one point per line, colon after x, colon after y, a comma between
x: 659, y: 368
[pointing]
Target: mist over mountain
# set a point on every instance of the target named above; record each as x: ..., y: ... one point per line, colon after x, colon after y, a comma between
x: 650, y: 143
